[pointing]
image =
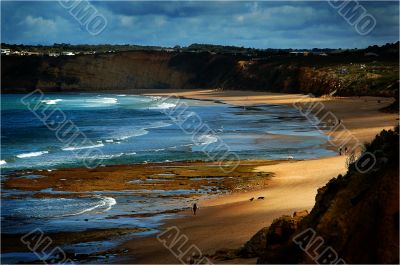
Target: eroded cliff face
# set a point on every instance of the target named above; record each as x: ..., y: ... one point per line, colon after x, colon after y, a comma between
x: 122, y: 71
x: 358, y: 214
x: 355, y: 218
x: 131, y: 70
x: 116, y: 71
x: 187, y: 70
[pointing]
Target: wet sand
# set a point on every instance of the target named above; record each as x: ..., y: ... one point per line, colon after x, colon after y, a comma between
x: 140, y: 178
x: 230, y: 220
x: 360, y: 115
x: 181, y: 181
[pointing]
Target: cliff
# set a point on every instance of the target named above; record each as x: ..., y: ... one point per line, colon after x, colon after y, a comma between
x: 91, y: 72
x: 355, y: 218
x: 338, y: 74
x: 358, y: 214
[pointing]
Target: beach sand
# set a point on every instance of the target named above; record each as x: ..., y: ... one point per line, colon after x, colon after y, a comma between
x: 228, y: 221
x: 359, y: 115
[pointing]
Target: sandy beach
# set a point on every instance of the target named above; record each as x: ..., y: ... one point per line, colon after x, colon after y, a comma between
x: 224, y: 221
x: 228, y: 221
x: 200, y: 132
x: 360, y: 115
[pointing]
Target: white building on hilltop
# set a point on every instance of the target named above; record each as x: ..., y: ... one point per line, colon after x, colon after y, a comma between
x: 5, y: 51
x: 68, y: 53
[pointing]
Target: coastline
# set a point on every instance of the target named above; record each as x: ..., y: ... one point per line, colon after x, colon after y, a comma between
x: 360, y: 115
x: 228, y: 221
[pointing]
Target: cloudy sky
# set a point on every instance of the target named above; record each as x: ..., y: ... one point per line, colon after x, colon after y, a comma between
x: 275, y: 24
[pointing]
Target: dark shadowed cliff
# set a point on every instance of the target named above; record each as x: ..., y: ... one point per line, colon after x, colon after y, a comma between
x: 343, y: 74
x: 355, y: 218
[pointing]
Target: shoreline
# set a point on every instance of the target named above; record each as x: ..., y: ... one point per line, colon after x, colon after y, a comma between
x: 227, y: 221
x: 345, y: 108
x: 285, y: 193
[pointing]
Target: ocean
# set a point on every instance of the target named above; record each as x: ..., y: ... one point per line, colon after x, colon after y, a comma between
x: 131, y: 129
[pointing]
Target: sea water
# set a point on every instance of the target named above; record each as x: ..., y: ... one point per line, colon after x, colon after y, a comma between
x: 130, y: 129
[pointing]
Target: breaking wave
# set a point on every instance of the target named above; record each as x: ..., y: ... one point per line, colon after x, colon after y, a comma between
x: 51, y: 101
x: 58, y: 207
x: 72, y: 148
x: 32, y: 154
x: 101, y: 101
x: 164, y: 105
x: 206, y: 139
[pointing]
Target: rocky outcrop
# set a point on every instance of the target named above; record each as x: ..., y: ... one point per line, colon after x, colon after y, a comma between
x: 358, y: 214
x: 272, y: 241
x: 256, y: 245
x: 355, y: 218
x: 191, y: 70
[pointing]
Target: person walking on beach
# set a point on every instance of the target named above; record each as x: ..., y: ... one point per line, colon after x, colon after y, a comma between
x: 194, y: 208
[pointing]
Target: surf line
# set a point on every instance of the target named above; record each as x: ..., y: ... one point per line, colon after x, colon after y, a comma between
x: 192, y: 124
x: 65, y: 130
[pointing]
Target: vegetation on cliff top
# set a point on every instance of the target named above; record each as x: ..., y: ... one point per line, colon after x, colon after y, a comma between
x: 388, y: 48
x: 347, y: 73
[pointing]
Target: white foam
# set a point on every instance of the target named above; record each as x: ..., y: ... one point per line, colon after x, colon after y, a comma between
x: 206, y: 139
x: 159, y: 124
x: 109, y: 100
x: 164, y: 105
x: 32, y: 154
x: 105, y: 202
x: 158, y: 150
x: 136, y: 133
x: 102, y: 101
x: 82, y: 147
x: 3, y: 162
x: 51, y: 101
x: 109, y: 141
x: 111, y: 156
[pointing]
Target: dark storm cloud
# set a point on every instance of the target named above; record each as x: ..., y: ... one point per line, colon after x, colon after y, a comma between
x: 252, y: 24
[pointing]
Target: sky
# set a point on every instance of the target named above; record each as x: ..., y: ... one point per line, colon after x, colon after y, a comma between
x: 268, y: 24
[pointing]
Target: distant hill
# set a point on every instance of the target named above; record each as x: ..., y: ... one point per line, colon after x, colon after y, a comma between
x: 389, y: 48
x: 342, y: 73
